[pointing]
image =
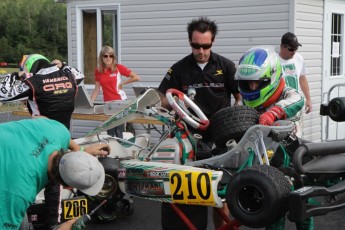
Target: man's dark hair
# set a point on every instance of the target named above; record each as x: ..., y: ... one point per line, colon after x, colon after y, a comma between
x: 40, y: 64
x: 202, y: 24
x: 55, y: 167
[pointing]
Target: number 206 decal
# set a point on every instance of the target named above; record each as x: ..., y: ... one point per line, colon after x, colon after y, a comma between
x: 191, y: 187
x: 74, y: 208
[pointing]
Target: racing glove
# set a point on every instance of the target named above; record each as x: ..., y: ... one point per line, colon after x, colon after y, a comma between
x: 15, y: 76
x: 271, y: 115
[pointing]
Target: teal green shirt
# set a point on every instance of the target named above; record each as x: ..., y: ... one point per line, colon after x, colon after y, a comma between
x: 25, y: 147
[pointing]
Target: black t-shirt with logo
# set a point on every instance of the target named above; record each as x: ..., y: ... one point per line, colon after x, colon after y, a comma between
x: 214, y: 84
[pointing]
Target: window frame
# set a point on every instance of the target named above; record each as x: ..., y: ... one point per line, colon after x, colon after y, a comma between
x: 98, y: 8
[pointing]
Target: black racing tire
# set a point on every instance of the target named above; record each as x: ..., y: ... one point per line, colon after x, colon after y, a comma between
x: 195, y: 213
x: 108, y: 212
x: 337, y: 109
x: 232, y: 123
x: 110, y: 191
x: 257, y: 196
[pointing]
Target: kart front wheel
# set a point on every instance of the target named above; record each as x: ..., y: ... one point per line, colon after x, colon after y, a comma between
x: 257, y: 196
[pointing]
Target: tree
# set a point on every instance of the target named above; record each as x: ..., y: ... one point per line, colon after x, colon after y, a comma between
x: 32, y: 26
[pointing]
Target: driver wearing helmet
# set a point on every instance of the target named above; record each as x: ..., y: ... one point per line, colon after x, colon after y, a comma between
x: 262, y: 87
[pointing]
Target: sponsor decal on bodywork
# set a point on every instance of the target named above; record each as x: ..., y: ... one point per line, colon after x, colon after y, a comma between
x: 145, y: 187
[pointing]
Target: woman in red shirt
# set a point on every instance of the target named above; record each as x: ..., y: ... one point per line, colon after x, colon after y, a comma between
x: 108, y: 75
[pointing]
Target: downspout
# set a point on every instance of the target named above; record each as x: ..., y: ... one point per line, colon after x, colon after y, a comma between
x: 292, y: 16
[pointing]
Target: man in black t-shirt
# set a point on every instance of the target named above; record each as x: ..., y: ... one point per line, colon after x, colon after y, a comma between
x: 211, y: 75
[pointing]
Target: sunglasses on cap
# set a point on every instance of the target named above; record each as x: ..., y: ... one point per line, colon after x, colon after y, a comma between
x: 291, y: 49
x: 106, y: 56
x: 198, y: 46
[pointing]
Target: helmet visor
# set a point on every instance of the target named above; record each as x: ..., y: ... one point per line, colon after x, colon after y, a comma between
x: 248, y: 72
x: 252, y: 94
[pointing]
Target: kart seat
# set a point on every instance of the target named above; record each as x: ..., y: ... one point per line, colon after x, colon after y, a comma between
x: 120, y: 148
x: 128, y: 149
x: 257, y: 135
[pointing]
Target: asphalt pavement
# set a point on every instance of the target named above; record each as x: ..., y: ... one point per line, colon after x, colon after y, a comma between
x: 147, y: 216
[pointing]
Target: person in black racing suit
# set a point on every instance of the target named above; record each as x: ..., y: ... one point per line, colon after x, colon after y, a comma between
x: 50, y: 90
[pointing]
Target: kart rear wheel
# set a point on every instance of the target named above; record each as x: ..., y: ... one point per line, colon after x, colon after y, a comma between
x: 110, y: 191
x: 196, y: 214
x: 232, y: 123
x: 257, y: 196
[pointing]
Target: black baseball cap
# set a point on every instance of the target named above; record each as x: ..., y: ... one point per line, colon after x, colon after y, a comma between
x: 291, y: 40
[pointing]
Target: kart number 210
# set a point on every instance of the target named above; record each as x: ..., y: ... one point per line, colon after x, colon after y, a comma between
x: 191, y: 187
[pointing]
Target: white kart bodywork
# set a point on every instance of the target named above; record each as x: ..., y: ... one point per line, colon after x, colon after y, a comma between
x: 152, y: 171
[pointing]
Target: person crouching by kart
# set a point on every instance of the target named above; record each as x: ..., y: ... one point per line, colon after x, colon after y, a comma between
x: 262, y: 87
x: 34, y: 152
x: 50, y: 89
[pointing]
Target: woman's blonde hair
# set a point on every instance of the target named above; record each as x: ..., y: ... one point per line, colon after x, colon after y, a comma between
x: 110, y: 51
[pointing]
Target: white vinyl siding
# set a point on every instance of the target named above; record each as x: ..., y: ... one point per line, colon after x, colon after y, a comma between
x: 309, y: 30
x: 153, y: 36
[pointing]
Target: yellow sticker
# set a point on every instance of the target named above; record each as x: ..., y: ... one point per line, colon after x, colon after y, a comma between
x: 74, y: 208
x: 191, y: 187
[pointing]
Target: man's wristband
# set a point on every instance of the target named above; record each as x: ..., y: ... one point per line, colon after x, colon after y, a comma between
x: 81, y: 148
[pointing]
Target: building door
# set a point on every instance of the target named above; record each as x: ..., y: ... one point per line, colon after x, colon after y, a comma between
x: 333, y: 63
x: 98, y: 26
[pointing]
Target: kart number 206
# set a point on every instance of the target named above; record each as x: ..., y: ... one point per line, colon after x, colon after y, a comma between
x: 74, y: 208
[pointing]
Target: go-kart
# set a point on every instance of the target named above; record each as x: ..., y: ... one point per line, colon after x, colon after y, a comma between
x: 169, y: 172
x: 255, y: 176
x: 177, y: 140
x: 265, y: 173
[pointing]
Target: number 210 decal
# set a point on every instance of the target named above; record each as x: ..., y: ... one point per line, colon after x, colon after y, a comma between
x: 191, y: 187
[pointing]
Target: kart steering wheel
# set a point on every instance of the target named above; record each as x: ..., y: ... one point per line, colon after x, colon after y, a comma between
x: 200, y: 121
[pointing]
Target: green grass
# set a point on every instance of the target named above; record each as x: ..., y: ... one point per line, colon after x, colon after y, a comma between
x: 8, y: 70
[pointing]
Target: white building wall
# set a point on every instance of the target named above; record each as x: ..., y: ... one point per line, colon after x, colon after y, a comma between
x: 153, y: 32
x: 153, y: 35
x: 309, y: 30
